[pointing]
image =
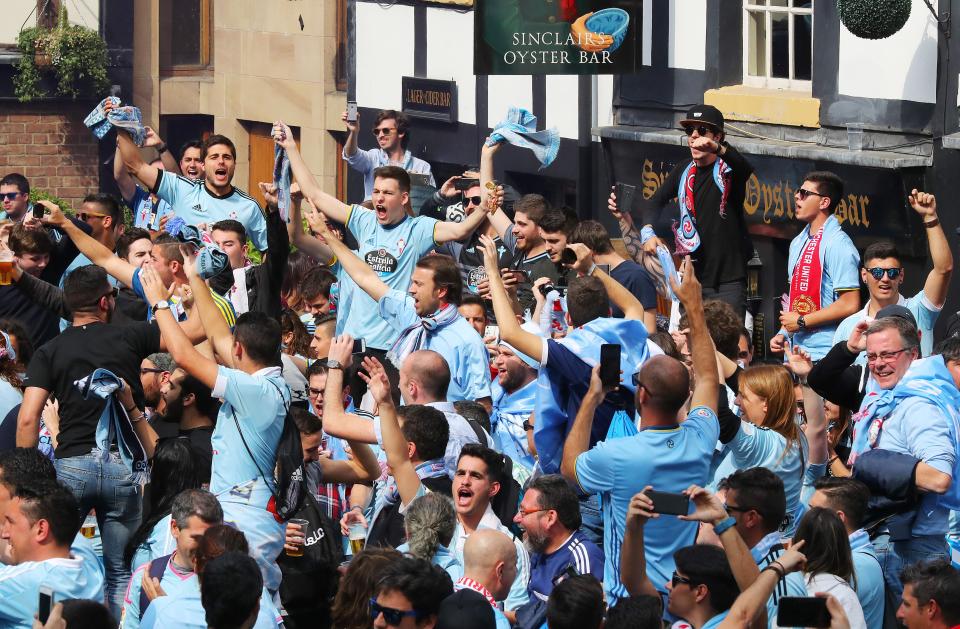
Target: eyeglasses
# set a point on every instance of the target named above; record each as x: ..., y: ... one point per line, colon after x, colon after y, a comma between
x: 83, y: 216
x: 885, y: 357
x: 635, y: 379
x: 145, y: 370
x: 701, y: 130
x: 392, y: 616
x: 383, y: 131
x: 10, y: 196
x: 803, y: 193
x: 737, y: 509
x: 474, y: 200
x: 526, y: 512
x: 314, y: 392
x: 114, y: 292
x: 677, y: 579
x: 877, y: 273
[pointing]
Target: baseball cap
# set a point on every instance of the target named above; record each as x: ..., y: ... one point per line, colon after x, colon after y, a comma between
x: 706, y: 114
x: 466, y: 609
x: 896, y: 310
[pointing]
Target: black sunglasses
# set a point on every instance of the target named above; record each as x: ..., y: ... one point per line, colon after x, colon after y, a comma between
x: 803, y: 193
x: 10, y: 196
x: 676, y: 580
x: 877, y: 273
x: 114, y: 291
x: 474, y: 200
x: 701, y: 130
x: 391, y: 615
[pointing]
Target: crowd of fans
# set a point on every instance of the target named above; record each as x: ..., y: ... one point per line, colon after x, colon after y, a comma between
x: 478, y: 412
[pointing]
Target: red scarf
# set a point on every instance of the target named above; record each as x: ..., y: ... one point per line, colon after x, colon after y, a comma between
x: 466, y: 583
x: 568, y: 10
x: 807, y: 278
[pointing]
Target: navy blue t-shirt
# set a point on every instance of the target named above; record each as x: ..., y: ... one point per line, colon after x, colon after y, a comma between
x: 636, y: 280
x: 578, y: 552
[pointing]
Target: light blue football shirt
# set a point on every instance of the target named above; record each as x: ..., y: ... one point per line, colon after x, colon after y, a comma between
x: 159, y: 542
x: 196, y: 205
x: 670, y: 460
x: 458, y: 343
x: 840, y: 261
x: 922, y: 309
x: 392, y: 251
x: 174, y: 582
x: 75, y: 577
x: 186, y: 611
x: 142, y: 208
x: 870, y: 583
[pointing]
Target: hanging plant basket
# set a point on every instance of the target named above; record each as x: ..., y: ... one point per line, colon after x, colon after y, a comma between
x: 874, y: 19
x: 41, y: 56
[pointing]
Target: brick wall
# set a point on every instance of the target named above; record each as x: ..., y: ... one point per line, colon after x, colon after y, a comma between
x: 49, y: 144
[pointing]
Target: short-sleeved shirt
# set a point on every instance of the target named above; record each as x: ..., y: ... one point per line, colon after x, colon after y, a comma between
x: 185, y: 611
x: 195, y: 204
x: 159, y: 543
x: 840, y: 262
x: 577, y: 552
x: 174, y: 582
x: 75, y: 577
x: 870, y: 582
x: 223, y: 305
x: 918, y: 428
x: 75, y: 354
x: 260, y: 401
x: 536, y: 267
x: 669, y: 459
x: 391, y: 251
x: 922, y: 309
x: 368, y: 160
x: 458, y: 343
x: 636, y: 280
x: 147, y: 212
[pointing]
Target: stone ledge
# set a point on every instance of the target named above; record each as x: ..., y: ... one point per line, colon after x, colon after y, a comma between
x: 773, y: 106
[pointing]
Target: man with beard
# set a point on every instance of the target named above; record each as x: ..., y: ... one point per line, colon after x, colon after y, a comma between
x: 191, y: 411
x: 155, y: 372
x: 514, y: 398
x: 550, y: 517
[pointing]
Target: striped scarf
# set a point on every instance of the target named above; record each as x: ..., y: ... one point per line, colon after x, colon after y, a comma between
x: 415, y: 337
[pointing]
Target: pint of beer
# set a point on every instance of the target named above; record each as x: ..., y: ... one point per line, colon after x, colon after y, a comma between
x: 6, y: 267
x: 358, y: 537
x: 300, y: 540
x: 89, y: 527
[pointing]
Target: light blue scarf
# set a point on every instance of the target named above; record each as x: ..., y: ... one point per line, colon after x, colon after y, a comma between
x: 520, y: 129
x: 282, y: 179
x: 415, y: 337
x: 550, y: 428
x: 127, y: 118
x: 114, y: 423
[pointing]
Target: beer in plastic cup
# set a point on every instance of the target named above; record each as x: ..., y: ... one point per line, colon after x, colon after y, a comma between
x: 298, y: 551
x: 89, y: 527
x: 6, y: 267
x: 358, y: 537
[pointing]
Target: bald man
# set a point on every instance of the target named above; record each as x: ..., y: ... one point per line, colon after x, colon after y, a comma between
x: 489, y: 567
x: 424, y: 378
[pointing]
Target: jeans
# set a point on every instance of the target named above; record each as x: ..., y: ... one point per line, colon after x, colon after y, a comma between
x: 895, y: 556
x: 106, y: 487
x: 733, y: 293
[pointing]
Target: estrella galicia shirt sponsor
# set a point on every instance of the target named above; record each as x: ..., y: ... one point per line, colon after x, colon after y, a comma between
x: 392, y: 251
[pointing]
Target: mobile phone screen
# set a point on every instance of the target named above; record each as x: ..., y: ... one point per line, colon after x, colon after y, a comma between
x: 45, y: 604
x: 610, y: 365
x: 803, y: 611
x: 668, y: 503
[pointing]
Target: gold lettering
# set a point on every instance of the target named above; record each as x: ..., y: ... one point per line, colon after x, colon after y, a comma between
x: 841, y: 211
x: 651, y: 180
x: 752, y: 199
x: 864, y: 202
x: 778, y: 200
x: 767, y: 202
x: 789, y: 193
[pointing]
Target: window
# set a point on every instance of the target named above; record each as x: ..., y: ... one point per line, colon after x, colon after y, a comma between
x: 341, y: 60
x: 778, y: 43
x: 186, y: 29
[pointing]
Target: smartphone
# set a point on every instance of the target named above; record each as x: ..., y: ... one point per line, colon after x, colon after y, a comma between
x: 351, y: 111
x: 463, y: 184
x: 567, y: 256
x: 492, y: 332
x: 803, y: 611
x: 37, y: 210
x: 525, y: 273
x: 625, y: 193
x: 45, y: 604
x: 670, y: 504
x: 419, y: 179
x: 610, y: 365
x: 605, y: 268
x: 359, y: 346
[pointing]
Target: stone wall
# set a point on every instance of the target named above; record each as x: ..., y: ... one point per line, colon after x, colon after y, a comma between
x: 49, y: 144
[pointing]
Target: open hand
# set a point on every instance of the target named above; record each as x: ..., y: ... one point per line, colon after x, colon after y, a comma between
x: 341, y: 350
x: 377, y: 381
x: 153, y: 287
x: 858, y: 338
x: 799, y: 362
x: 689, y: 291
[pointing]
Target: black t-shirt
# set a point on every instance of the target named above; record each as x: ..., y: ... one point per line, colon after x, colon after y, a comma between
x: 725, y: 244
x: 75, y: 354
x: 41, y: 324
x: 199, y: 439
x: 636, y: 280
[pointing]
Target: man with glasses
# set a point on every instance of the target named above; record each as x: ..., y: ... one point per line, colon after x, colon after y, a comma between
x: 104, y: 214
x: 883, y: 274
x: 409, y: 594
x: 711, y: 225
x: 824, y: 287
x: 391, y: 130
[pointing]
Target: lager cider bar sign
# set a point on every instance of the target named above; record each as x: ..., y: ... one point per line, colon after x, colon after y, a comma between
x: 430, y: 99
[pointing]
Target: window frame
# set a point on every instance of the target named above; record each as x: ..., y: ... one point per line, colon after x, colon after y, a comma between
x: 205, y: 67
x: 766, y: 81
x: 340, y: 62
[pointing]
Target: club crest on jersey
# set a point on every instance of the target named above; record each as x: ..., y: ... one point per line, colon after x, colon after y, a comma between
x: 401, y: 245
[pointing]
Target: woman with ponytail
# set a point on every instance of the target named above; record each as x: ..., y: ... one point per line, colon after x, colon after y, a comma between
x: 429, y: 522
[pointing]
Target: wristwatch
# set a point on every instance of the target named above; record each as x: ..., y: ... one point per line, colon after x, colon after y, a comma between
x: 526, y: 425
x: 163, y: 304
x: 333, y: 364
x: 161, y: 149
x: 801, y: 323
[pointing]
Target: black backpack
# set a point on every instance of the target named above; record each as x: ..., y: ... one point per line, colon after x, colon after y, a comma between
x: 155, y: 569
x: 310, y: 581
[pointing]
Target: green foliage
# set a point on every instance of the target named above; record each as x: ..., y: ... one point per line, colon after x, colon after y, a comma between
x: 26, y: 83
x: 874, y: 19
x: 43, y: 195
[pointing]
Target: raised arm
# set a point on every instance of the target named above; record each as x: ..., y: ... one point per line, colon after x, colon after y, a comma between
x: 358, y: 270
x: 214, y: 325
x: 125, y: 183
x: 815, y: 428
x: 337, y: 422
x: 28, y: 420
x: 96, y: 252
x: 753, y: 600
x: 133, y: 161
x: 633, y: 560
x: 617, y: 292
x: 446, y: 231
x: 578, y: 439
x: 510, y: 330
x: 329, y: 205
x: 498, y: 218
x: 702, y: 351
x: 938, y: 279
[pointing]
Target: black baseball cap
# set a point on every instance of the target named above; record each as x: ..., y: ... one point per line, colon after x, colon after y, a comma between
x: 897, y: 310
x: 466, y: 609
x: 704, y: 114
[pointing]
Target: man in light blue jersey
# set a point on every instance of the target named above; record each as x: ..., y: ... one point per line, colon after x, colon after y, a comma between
x: 39, y: 525
x: 192, y: 513
x: 204, y: 201
x: 883, y: 274
x: 848, y: 498
x: 514, y: 399
x: 255, y: 402
x: 389, y: 241
x: 676, y: 454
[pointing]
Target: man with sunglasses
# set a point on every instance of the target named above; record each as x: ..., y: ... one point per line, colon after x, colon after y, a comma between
x: 15, y: 195
x: 391, y: 130
x: 104, y: 214
x: 883, y: 274
x: 409, y: 594
x: 822, y: 268
x: 711, y: 225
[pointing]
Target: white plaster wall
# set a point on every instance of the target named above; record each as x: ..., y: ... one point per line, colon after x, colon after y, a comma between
x: 562, y: 105
x: 380, y: 65
x: 506, y: 90
x: 687, y: 41
x: 450, y: 56
x: 901, y: 67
